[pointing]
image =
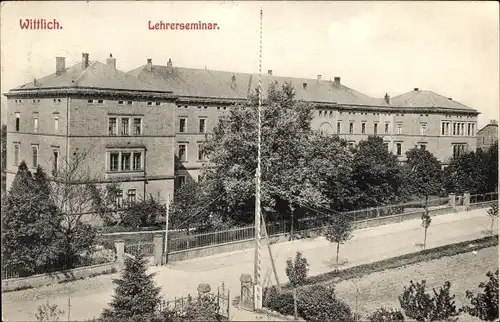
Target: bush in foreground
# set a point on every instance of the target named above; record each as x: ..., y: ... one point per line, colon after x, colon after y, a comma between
x: 386, y: 315
x: 316, y: 303
x: 485, y: 305
x: 421, y: 306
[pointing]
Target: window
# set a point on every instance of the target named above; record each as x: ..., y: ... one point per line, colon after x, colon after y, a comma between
x: 458, y: 150
x: 386, y: 128
x: 423, y: 129
x: 462, y: 129
x: 443, y: 128
x: 339, y: 125
x: 351, y: 128
x: 447, y: 128
x: 399, y: 128
x: 90, y: 101
x: 55, y: 160
x: 35, y: 124
x: 57, y: 100
x: 112, y: 126
x: 137, y: 161
x: 158, y: 103
x: 131, y: 196
x: 473, y: 132
x: 125, y: 161
x: 150, y: 103
x: 129, y: 102
x: 351, y: 145
x: 386, y: 145
x: 469, y: 129
x: 182, y: 152
x: 181, y: 180
x: 100, y: 101
x: 137, y: 126
x: 17, y: 149
x: 200, y: 152
x: 399, y: 148
x: 125, y: 126
x: 121, y: 102
x: 119, y: 199
x: 202, y: 125
x: 375, y: 128
x: 199, y: 178
x: 454, y: 128
x: 182, y: 125
x: 363, y: 128
x: 34, y: 149
x: 18, y: 119
x: 56, y: 123
x: 113, y: 161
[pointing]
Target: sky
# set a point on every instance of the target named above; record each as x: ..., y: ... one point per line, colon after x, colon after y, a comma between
x: 451, y: 48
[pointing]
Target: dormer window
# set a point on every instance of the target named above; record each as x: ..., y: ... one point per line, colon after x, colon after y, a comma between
x: 304, y: 85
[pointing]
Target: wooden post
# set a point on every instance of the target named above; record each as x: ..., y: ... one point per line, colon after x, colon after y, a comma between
x: 165, y: 249
x: 295, y: 313
x: 69, y: 309
x: 229, y: 305
x: 270, y: 254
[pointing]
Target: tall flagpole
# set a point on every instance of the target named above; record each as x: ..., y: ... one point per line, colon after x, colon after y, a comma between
x: 257, y: 291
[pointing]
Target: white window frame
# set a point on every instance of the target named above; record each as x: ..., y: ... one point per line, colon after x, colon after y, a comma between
x: 200, y: 153
x: 17, y: 125
x: 351, y: 127
x: 140, y: 126
x: 56, y: 163
x: 17, y: 147
x: 423, y: 128
x: 34, y: 148
x: 115, y: 127
x: 141, y: 156
x: 122, y: 127
x: 400, y: 152
x: 56, y: 123
x: 204, y: 119
x: 387, y: 128
x: 184, y: 128
x: 375, y: 128
x: 399, y: 128
x: 363, y: 127
x: 122, y: 163
x: 118, y: 163
x: 130, y: 194
x: 185, y: 151
x: 35, y: 123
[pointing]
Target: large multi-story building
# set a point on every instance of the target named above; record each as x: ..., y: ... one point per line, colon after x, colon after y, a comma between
x: 145, y: 127
x: 487, y: 136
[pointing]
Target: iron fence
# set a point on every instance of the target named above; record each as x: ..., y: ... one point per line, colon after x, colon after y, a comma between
x: 485, y: 197
x: 146, y: 249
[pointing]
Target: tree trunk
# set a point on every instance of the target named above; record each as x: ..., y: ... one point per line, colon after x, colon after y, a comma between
x: 291, y: 224
x: 337, y: 261
x: 425, y: 236
x: 295, y: 313
x: 425, y: 205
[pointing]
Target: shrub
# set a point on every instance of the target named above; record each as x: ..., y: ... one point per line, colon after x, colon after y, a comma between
x: 297, y: 270
x: 386, y: 315
x: 315, y: 303
x: 204, y: 308
x: 422, y: 306
x: 48, y: 312
x: 484, y: 305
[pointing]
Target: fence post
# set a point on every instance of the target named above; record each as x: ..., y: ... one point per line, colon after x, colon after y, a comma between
x: 452, y: 201
x: 158, y: 248
x: 120, y: 251
x: 467, y: 200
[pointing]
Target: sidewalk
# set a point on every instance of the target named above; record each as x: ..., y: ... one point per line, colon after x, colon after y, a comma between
x: 89, y: 297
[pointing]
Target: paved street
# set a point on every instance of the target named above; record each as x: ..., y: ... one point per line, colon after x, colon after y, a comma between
x: 90, y: 296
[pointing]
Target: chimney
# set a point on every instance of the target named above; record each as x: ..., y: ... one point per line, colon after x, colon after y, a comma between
x: 85, y: 60
x: 336, y: 80
x: 416, y: 89
x: 170, y: 68
x: 111, y: 61
x: 451, y: 99
x: 233, y: 82
x: 387, y: 98
x: 270, y: 72
x: 494, y: 122
x: 60, y: 65
x: 149, y: 65
x: 34, y: 82
x: 304, y: 85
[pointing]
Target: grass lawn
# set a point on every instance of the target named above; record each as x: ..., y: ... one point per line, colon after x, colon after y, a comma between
x: 464, y: 271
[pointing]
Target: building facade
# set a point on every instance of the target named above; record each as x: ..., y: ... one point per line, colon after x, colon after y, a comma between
x: 487, y: 136
x: 145, y: 128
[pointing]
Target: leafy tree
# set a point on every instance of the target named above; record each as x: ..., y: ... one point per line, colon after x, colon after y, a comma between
x: 31, y: 225
x: 48, y: 313
x: 339, y: 230
x: 188, y: 201
x: 297, y: 274
x: 423, y: 179
x: 136, y: 297
x: 485, y: 304
x: 287, y: 177
x: 467, y: 173
x: 421, y: 306
x: 376, y: 177
x: 493, y: 213
x: 3, y: 141
x: 492, y: 172
x: 143, y: 213
x: 386, y: 315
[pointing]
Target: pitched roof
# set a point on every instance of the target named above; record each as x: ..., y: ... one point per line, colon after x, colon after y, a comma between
x: 427, y: 99
x: 219, y: 84
x: 96, y: 75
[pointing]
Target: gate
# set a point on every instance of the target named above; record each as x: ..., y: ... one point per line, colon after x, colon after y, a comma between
x: 246, y: 294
